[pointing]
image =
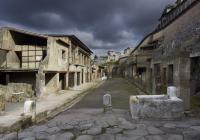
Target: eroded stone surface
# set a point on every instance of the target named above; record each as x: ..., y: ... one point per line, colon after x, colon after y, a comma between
x: 66, y: 136
x: 93, y: 131
x: 95, y: 125
x: 85, y: 137
x: 114, y: 130
x: 25, y: 135
x: 154, y: 131
x: 105, y: 137
x: 11, y: 136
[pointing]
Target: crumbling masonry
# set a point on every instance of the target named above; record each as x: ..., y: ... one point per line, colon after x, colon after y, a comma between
x: 170, y: 55
x: 34, y: 65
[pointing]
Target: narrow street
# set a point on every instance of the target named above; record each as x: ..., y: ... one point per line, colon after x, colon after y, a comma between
x: 87, y: 121
x: 119, y: 89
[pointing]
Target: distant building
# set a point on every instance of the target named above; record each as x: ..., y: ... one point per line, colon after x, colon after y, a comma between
x: 101, y: 60
x: 127, y: 51
x: 113, y: 56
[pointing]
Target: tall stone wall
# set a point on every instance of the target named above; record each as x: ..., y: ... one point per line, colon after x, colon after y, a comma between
x: 181, y: 39
x: 183, y: 29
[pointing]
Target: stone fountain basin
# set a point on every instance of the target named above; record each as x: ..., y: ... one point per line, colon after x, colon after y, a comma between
x: 156, y: 107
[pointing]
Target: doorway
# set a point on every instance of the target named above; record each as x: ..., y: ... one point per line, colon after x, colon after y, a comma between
x: 195, y: 75
x: 62, y: 81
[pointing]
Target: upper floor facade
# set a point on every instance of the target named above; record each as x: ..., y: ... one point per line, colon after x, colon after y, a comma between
x: 22, y: 50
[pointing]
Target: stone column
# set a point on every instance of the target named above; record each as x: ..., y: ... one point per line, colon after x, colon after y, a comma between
x: 84, y: 76
x: 148, y: 80
x: 57, y: 81
x: 80, y: 77
x: 75, y: 79
x: 40, y: 84
x: 7, y: 78
x: 67, y: 80
x: 183, y: 83
x: 153, y: 81
x: 70, y: 52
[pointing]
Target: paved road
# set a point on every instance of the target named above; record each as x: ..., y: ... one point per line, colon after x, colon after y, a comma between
x: 120, y: 90
x: 84, y: 122
x: 93, y: 124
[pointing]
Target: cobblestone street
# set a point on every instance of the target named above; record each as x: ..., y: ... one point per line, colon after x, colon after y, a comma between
x: 92, y: 124
x: 100, y: 70
x: 86, y: 121
x: 118, y: 88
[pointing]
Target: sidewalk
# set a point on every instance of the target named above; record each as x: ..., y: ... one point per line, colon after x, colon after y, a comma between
x: 53, y: 104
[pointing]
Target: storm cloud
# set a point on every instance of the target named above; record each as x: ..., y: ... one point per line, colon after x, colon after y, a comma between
x: 101, y: 24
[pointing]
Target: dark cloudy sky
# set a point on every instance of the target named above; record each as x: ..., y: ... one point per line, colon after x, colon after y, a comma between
x: 101, y: 24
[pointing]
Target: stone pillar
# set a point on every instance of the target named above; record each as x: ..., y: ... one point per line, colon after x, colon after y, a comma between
x: 40, y: 84
x: 57, y: 81
x: 134, y: 70
x: 70, y: 52
x: 67, y: 80
x: 80, y: 77
x: 7, y: 78
x: 107, y: 103
x: 148, y: 80
x: 153, y: 81
x: 75, y: 79
x: 84, y: 77
x: 183, y: 89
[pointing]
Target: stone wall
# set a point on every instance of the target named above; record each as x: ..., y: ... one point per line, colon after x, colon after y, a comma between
x: 8, y: 90
x: 180, y: 34
x: 181, y: 39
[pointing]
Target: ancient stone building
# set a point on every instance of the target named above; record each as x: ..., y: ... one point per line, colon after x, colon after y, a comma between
x: 35, y: 65
x: 113, y: 56
x: 170, y: 54
x: 79, y: 61
x: 97, y: 72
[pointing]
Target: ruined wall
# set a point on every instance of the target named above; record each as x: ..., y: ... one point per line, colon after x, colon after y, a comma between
x: 13, y: 60
x: 58, y: 56
x: 6, y: 92
x: 7, y: 41
x: 184, y: 28
x: 181, y: 37
x: 23, y: 77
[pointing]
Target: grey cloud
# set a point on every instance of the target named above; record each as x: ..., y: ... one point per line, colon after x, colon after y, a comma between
x: 104, y: 21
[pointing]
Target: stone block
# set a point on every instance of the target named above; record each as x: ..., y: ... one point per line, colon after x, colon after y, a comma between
x: 156, y: 106
x: 107, y: 103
